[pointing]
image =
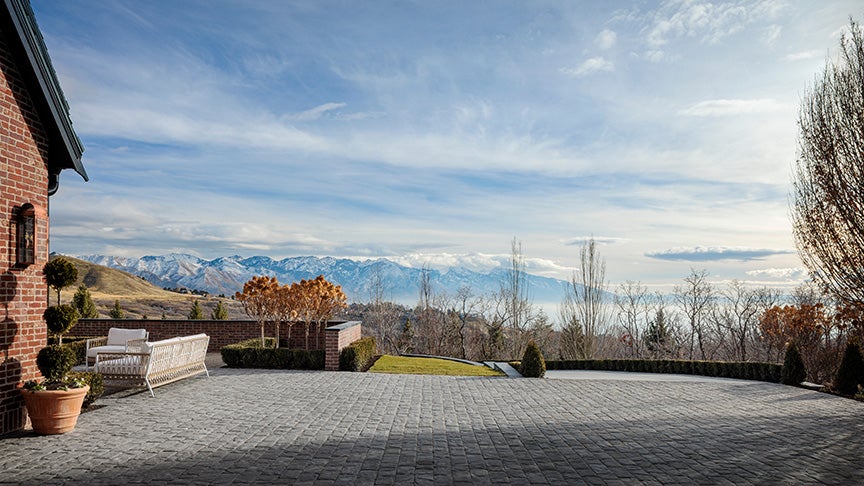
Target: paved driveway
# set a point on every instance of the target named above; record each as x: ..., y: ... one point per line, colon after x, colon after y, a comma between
x: 275, y: 427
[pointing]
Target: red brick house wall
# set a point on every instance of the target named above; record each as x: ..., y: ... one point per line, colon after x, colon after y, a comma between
x: 23, y: 292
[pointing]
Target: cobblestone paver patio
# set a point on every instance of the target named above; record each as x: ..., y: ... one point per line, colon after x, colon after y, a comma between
x: 277, y: 427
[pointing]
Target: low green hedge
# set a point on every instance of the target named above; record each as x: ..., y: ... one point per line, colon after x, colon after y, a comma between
x: 78, y: 345
x: 358, y: 355
x: 97, y: 387
x: 250, y: 354
x: 743, y: 370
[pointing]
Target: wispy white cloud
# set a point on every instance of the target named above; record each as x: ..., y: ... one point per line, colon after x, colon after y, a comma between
x: 317, y: 112
x: 606, y: 39
x: 731, y: 107
x: 772, y: 34
x: 803, y: 55
x: 583, y: 240
x: 715, y: 253
x: 707, y: 22
x: 590, y: 66
x: 791, y: 273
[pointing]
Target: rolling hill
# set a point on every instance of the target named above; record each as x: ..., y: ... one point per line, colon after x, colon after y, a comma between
x: 137, y: 297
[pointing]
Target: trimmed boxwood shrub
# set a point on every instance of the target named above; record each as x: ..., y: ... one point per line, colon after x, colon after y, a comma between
x: 97, y: 386
x: 358, y: 355
x: 793, y: 367
x: 533, y: 364
x: 78, y: 345
x: 55, y: 361
x: 851, y: 371
x: 250, y: 354
x: 741, y: 370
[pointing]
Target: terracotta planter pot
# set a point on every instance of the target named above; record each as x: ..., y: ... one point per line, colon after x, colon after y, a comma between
x: 54, y: 411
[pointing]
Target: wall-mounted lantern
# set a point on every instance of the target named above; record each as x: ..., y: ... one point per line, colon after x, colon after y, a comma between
x: 27, y: 235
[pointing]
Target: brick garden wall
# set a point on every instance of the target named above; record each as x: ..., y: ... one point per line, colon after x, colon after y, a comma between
x: 23, y: 292
x: 221, y: 332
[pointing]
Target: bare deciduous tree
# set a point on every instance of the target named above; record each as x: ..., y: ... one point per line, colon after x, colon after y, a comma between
x: 517, y: 305
x: 466, y: 305
x: 736, y: 319
x: 432, y: 331
x: 828, y: 194
x: 695, y: 298
x: 384, y: 318
x: 570, y: 343
x: 588, y: 288
x: 634, y: 312
x: 513, y: 310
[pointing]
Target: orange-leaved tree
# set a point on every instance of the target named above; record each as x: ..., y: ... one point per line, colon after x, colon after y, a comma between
x: 286, y: 306
x: 807, y: 326
x: 258, y: 299
x: 317, y: 301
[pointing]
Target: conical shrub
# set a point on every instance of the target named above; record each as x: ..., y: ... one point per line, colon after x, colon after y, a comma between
x: 794, y: 371
x: 851, y: 371
x: 533, y: 364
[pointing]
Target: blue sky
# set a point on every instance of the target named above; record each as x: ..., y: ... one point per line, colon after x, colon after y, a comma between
x: 435, y: 132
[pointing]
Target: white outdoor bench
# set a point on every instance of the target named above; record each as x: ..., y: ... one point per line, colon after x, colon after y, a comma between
x: 154, y: 364
x: 117, y: 341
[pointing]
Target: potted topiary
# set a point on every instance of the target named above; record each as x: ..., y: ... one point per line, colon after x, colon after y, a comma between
x: 55, y: 403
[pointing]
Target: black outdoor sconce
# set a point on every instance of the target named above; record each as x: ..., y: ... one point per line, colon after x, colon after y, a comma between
x: 27, y: 235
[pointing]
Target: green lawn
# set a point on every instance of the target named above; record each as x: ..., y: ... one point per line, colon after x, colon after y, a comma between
x: 428, y: 366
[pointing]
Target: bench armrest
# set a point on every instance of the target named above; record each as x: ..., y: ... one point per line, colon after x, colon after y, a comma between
x: 96, y: 342
x: 135, y: 345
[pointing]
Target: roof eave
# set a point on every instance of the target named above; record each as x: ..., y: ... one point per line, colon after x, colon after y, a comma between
x: 34, y: 47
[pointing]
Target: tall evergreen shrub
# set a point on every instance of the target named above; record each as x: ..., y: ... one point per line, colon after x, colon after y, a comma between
x: 196, y: 314
x: 794, y: 371
x: 83, y: 301
x: 851, y: 371
x: 533, y: 364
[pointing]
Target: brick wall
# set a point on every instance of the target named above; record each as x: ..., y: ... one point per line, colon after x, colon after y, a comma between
x: 23, y: 292
x: 337, y: 337
x: 221, y: 332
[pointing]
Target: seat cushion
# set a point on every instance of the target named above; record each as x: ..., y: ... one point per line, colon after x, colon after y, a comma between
x: 91, y: 353
x: 118, y: 337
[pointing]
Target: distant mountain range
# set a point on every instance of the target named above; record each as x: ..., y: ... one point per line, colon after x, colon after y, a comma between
x: 227, y: 275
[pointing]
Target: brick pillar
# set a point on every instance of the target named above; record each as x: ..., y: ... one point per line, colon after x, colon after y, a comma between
x: 336, y: 338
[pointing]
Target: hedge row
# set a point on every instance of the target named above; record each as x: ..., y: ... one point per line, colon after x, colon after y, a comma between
x: 358, y: 355
x: 78, y: 345
x: 250, y: 354
x: 97, y: 386
x: 746, y: 370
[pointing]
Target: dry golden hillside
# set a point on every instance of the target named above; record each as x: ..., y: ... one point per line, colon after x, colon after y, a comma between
x: 138, y: 297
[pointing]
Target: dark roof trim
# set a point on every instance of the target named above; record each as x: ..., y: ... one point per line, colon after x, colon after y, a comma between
x: 24, y: 22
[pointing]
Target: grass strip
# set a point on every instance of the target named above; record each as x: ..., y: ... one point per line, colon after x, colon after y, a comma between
x: 403, y: 365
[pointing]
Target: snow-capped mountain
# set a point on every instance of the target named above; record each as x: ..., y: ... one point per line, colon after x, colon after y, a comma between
x: 227, y: 275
